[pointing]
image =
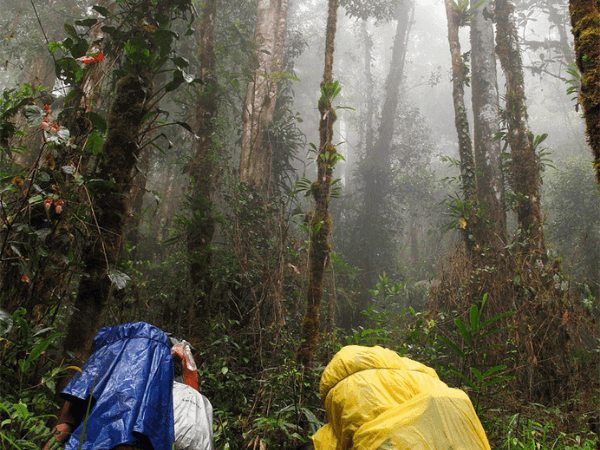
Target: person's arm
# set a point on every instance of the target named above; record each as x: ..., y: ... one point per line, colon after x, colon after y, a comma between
x: 69, y: 419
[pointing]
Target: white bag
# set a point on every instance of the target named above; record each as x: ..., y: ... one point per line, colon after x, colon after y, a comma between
x: 193, y: 415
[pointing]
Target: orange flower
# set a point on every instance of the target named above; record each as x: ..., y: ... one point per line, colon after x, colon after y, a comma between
x: 91, y: 59
x: 18, y: 181
x: 46, y: 109
x: 25, y: 279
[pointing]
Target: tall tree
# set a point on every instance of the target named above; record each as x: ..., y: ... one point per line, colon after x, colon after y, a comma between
x: 259, y: 107
x: 585, y: 19
x: 370, y: 249
x: 202, y: 172
x: 460, y: 78
x: 525, y: 165
x: 490, y: 182
x: 132, y: 102
x: 320, y: 223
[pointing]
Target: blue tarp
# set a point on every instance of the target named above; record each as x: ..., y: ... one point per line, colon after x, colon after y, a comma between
x: 130, y: 377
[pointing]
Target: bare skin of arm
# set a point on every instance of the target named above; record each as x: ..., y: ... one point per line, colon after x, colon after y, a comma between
x: 69, y: 419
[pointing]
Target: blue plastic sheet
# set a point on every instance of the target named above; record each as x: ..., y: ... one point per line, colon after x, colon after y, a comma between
x: 130, y: 377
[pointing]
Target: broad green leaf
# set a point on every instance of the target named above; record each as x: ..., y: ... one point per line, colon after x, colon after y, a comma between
x: 497, y: 381
x: 474, y: 319
x: 475, y: 371
x: 453, y: 346
x: 97, y: 120
x: 71, y: 31
x: 493, y: 370
x: 101, y: 10
x: 464, y: 332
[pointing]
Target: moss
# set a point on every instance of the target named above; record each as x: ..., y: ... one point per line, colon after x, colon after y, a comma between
x: 585, y: 20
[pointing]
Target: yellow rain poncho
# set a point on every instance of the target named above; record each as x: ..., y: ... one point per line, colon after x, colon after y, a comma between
x: 375, y: 399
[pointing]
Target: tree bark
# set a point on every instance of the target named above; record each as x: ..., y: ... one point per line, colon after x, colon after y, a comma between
x: 110, y: 209
x: 319, y: 251
x: 460, y: 76
x: 585, y: 19
x: 525, y: 165
x: 490, y: 183
x: 259, y: 106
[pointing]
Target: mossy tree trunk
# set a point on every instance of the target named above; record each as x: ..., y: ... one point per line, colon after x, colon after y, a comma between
x: 202, y: 173
x: 120, y: 152
x: 525, y: 164
x: 585, y: 19
x: 460, y: 76
x: 319, y: 251
x: 490, y: 181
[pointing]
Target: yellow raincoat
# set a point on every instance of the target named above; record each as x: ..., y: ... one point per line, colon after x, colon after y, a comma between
x: 375, y: 399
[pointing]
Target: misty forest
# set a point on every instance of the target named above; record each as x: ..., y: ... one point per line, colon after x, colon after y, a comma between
x: 271, y: 180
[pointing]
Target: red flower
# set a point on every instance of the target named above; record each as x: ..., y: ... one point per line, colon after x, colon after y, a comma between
x: 46, y: 109
x: 54, y: 128
x: 45, y: 123
x: 25, y: 279
x: 47, y: 203
x: 58, y: 206
x: 90, y: 59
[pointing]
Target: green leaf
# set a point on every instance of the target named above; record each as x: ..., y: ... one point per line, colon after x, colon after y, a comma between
x: 178, y: 79
x: 94, y: 143
x: 497, y: 381
x: 464, y: 332
x: 488, y: 322
x: 71, y: 31
x: 493, y: 370
x: 453, y: 346
x: 97, y: 120
x: 87, y: 22
x: 53, y: 46
x: 475, y: 371
x: 80, y: 48
x: 180, y: 61
x: 465, y: 379
x: 101, y: 10
x: 41, y: 348
x: 186, y: 126
x: 474, y: 319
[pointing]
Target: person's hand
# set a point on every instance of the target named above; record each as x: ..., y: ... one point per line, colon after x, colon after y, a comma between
x: 60, y: 435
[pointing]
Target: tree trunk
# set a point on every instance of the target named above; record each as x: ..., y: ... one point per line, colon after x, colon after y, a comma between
x: 110, y: 209
x: 490, y: 183
x: 319, y: 251
x: 368, y: 42
x: 370, y: 249
x: 460, y: 74
x: 202, y: 173
x: 525, y: 165
x: 259, y: 106
x: 585, y: 19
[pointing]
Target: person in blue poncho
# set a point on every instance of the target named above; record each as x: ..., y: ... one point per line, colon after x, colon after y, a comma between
x: 127, y: 382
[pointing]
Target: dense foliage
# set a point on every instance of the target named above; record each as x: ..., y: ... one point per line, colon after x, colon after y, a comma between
x: 103, y: 108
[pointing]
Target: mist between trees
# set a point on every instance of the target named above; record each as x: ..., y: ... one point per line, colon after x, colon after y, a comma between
x: 271, y: 180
